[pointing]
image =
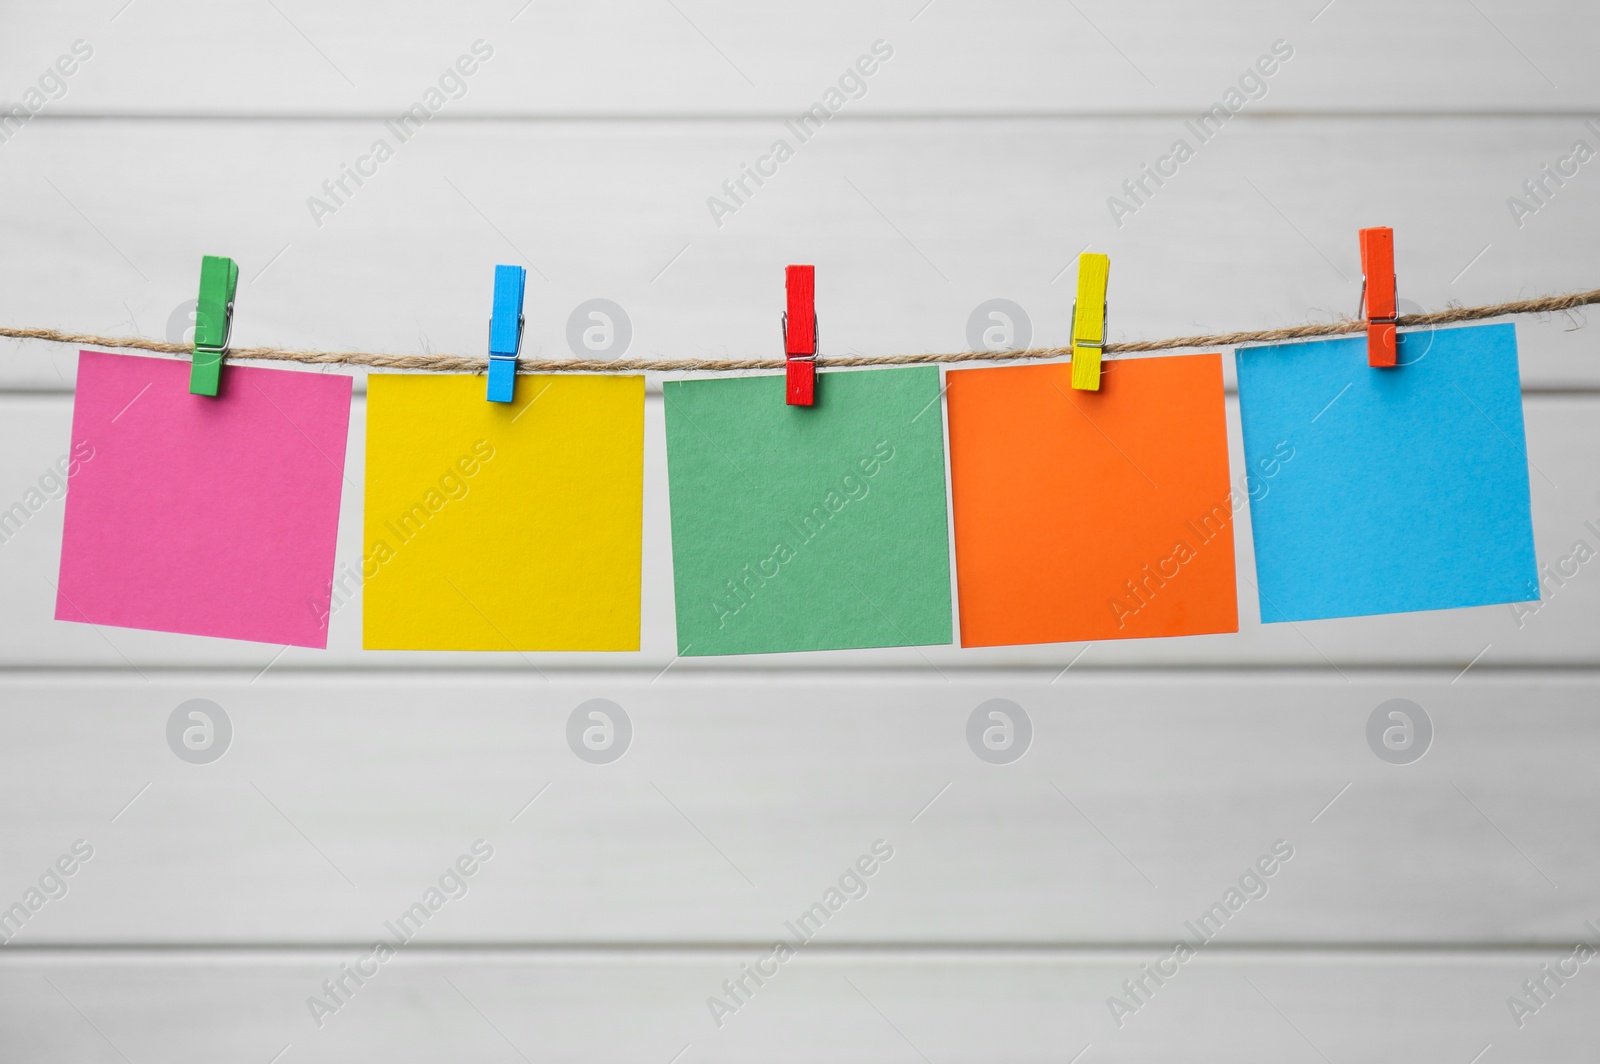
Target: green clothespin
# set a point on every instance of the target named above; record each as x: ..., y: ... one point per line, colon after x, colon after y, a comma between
x: 213, y: 322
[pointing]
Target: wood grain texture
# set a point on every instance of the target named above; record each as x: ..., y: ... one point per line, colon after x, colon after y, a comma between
x: 726, y: 57
x: 977, y: 163
x: 1140, y: 802
x: 911, y: 225
x: 506, y: 1007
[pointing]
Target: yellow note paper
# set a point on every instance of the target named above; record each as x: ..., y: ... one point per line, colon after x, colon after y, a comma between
x: 503, y: 526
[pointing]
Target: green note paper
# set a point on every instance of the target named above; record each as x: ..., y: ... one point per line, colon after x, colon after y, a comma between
x: 809, y: 528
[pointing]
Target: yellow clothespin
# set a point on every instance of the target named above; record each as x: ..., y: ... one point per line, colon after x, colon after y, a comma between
x: 1089, y: 321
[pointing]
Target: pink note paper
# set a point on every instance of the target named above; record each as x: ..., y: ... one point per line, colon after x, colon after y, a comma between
x: 198, y: 514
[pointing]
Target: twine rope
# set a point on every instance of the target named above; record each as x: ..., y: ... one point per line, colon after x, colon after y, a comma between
x: 472, y: 364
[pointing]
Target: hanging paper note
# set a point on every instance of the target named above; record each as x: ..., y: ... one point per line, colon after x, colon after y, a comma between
x: 1408, y: 489
x: 205, y: 515
x: 1092, y: 515
x: 503, y: 526
x: 808, y: 527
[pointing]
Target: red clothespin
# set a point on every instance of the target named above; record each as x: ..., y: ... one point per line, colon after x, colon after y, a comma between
x: 800, y: 335
x: 1379, y: 293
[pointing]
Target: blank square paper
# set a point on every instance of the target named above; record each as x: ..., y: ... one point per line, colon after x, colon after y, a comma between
x: 808, y: 527
x: 503, y: 526
x: 1408, y: 487
x: 209, y: 515
x: 1092, y: 514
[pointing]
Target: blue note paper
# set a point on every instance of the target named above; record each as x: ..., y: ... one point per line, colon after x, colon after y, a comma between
x: 1403, y: 489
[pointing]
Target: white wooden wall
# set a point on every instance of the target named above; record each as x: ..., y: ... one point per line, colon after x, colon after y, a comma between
x: 1019, y: 897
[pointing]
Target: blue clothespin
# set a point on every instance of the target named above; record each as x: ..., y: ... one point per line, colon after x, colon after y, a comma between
x: 505, y: 332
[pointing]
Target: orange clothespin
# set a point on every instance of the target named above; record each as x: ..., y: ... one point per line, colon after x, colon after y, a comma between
x: 800, y: 335
x: 1379, y: 293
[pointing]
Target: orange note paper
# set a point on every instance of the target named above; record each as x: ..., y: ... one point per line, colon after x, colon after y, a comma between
x: 1092, y: 515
